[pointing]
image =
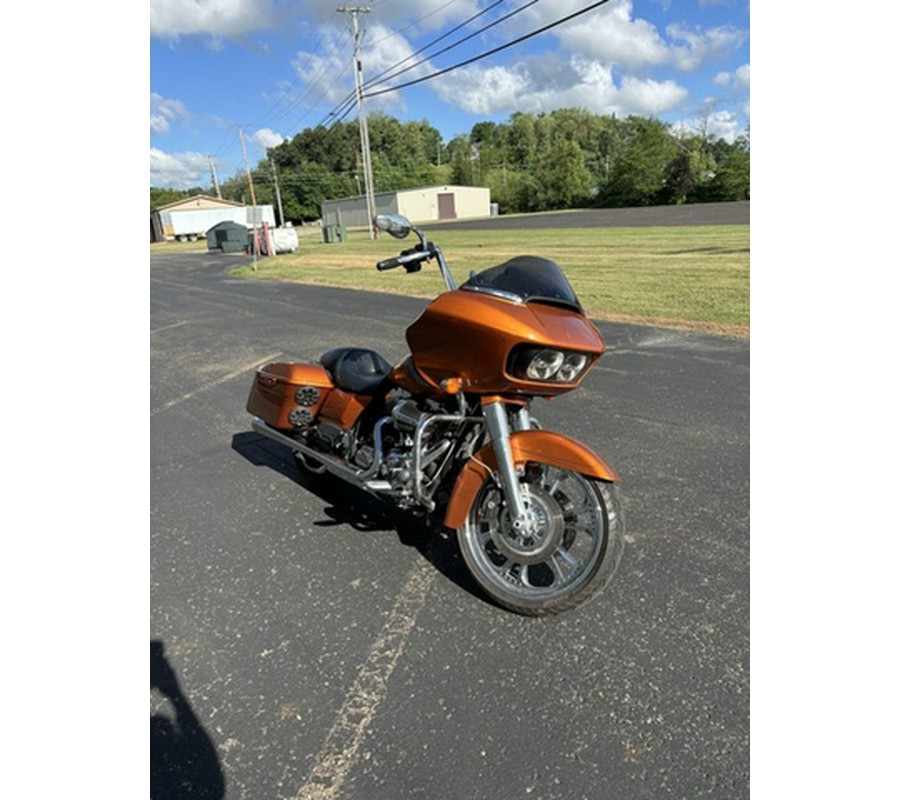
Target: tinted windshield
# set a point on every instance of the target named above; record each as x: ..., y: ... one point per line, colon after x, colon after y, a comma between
x: 527, y: 278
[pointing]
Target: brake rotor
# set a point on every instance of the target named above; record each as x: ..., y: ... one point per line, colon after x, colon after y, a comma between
x: 544, y: 534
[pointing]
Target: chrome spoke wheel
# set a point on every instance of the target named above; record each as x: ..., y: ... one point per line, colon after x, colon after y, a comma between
x: 567, y: 552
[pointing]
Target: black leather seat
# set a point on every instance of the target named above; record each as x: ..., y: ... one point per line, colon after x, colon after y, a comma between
x: 356, y: 369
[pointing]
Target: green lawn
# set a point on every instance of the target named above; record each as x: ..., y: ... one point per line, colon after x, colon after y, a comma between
x: 687, y: 277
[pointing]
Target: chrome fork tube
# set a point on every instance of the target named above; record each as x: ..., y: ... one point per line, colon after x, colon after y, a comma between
x: 498, y: 430
x: 521, y: 419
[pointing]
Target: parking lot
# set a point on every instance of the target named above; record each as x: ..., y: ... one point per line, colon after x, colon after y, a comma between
x: 311, y: 642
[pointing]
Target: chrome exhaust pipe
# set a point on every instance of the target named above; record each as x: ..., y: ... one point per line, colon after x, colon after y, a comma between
x: 332, y: 464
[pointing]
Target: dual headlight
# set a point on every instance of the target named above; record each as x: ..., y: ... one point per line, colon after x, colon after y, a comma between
x: 545, y: 364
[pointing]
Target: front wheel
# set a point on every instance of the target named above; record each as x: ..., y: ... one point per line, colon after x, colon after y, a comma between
x: 569, y: 552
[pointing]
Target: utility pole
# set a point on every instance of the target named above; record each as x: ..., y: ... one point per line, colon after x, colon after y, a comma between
x: 252, y: 197
x: 277, y: 192
x: 360, y: 103
x: 212, y: 169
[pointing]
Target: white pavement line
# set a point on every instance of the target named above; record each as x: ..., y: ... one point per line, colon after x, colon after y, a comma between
x: 169, y: 327
x: 218, y: 382
x: 341, y: 750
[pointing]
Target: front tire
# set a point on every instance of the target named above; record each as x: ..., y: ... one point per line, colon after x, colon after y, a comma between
x: 570, y: 554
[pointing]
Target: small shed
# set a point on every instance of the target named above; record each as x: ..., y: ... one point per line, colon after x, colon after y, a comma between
x: 228, y: 237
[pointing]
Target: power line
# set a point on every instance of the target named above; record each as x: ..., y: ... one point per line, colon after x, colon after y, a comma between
x: 376, y: 82
x: 335, y: 56
x: 488, y: 53
x: 344, y: 108
x: 413, y: 24
x: 293, y: 103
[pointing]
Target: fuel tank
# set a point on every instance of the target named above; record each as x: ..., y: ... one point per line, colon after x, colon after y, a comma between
x: 474, y: 336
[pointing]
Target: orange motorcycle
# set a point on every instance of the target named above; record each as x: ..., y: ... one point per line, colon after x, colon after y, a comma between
x: 449, y: 431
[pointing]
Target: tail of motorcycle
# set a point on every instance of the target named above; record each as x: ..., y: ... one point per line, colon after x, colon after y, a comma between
x: 298, y: 406
x: 289, y: 396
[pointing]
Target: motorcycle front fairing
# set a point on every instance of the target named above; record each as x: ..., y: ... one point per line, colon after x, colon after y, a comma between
x: 475, y: 332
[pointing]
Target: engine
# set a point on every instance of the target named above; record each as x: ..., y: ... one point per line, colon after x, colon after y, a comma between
x: 417, y: 440
x: 405, y: 450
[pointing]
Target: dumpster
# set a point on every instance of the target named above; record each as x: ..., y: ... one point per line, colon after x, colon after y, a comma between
x: 334, y: 233
x: 227, y: 237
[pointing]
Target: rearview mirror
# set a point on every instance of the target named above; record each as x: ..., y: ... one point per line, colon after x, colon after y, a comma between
x: 394, y: 224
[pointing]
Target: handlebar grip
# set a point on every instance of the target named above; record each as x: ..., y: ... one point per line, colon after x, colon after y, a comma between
x: 390, y: 263
x: 406, y: 257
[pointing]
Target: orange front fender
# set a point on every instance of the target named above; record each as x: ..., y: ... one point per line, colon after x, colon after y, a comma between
x: 545, y: 447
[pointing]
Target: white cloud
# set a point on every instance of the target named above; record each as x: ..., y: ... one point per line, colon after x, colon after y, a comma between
x: 736, y: 81
x: 178, y: 170
x: 170, y: 18
x: 325, y: 72
x: 717, y: 125
x: 484, y: 90
x: 614, y: 35
x: 545, y: 84
x: 163, y: 112
x: 725, y: 125
x: 649, y: 97
x: 701, y: 45
x: 330, y: 69
x: 236, y: 18
x: 266, y: 138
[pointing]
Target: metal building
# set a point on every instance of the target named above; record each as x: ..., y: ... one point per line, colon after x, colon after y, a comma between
x: 426, y: 204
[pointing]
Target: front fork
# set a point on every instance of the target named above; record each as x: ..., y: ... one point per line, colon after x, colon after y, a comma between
x: 498, y: 430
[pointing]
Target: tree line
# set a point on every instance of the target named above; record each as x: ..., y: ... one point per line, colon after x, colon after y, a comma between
x: 563, y: 159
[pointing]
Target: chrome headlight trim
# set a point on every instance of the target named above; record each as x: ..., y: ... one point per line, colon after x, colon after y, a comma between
x: 547, y: 364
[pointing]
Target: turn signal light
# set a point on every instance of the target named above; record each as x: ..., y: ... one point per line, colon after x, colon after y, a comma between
x: 451, y: 385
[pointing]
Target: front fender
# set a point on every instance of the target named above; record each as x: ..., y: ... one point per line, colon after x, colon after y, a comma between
x: 545, y: 447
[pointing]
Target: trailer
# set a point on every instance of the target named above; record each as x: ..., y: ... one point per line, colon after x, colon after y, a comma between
x: 188, y: 225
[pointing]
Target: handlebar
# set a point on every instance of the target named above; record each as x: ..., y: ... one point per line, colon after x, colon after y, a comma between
x: 399, y: 227
x: 406, y: 257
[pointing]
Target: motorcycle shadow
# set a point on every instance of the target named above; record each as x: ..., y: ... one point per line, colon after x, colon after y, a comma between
x: 351, y: 506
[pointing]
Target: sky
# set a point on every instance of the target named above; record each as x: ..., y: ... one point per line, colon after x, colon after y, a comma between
x: 272, y: 68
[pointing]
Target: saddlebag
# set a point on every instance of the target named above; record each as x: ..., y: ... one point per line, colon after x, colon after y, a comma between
x: 288, y: 396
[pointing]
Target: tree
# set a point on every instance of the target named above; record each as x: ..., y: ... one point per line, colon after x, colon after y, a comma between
x: 690, y: 171
x: 638, y: 175
x: 521, y: 138
x: 561, y: 178
x: 162, y: 197
x: 461, y: 170
x: 565, y: 158
x: 732, y: 179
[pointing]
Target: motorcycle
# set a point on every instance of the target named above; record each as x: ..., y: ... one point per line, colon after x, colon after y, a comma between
x: 448, y: 431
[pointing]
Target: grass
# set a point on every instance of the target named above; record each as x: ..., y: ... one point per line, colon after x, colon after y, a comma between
x: 695, y: 278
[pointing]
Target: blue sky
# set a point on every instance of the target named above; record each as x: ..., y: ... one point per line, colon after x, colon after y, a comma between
x: 274, y: 68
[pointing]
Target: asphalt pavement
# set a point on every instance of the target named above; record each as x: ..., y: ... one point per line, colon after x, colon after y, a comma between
x: 308, y: 641
x: 737, y: 213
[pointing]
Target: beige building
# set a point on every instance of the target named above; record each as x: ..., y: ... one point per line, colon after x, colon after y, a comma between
x: 428, y: 204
